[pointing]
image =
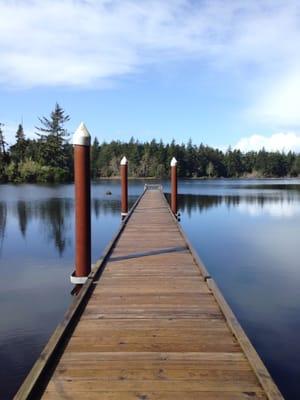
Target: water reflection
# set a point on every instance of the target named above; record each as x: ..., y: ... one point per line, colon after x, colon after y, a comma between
x: 105, y: 206
x: 287, y: 209
x: 271, y: 185
x: 22, y: 215
x: 275, y: 206
x: 54, y: 217
x: 3, y: 216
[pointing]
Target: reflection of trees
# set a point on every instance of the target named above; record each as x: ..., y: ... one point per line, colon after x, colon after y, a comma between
x: 270, y: 186
x: 55, y: 214
x: 190, y: 203
x: 22, y: 216
x: 3, y: 217
x: 109, y: 206
x: 100, y: 206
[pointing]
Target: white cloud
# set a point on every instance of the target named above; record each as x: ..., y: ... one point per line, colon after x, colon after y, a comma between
x: 83, y: 42
x: 279, y: 102
x: 77, y: 42
x: 90, y: 43
x: 276, y: 142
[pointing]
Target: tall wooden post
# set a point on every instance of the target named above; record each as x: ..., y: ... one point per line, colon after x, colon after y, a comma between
x: 82, y: 142
x: 124, y: 187
x: 174, y: 186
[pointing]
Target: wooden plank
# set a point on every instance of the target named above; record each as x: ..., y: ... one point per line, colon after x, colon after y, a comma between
x: 61, y: 386
x: 162, y: 357
x: 144, y: 395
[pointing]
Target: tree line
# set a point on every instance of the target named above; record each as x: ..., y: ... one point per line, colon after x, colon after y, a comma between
x: 49, y: 157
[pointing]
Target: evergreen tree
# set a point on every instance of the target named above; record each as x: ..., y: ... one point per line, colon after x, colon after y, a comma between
x: 3, y: 155
x: 261, y: 161
x: 18, y: 150
x: 52, y: 138
x: 234, y: 163
x: 2, y: 141
x: 190, y: 159
x: 20, y: 136
x: 295, y: 169
x: 94, y: 158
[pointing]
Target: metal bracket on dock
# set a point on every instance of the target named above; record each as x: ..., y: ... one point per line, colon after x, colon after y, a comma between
x: 78, y: 280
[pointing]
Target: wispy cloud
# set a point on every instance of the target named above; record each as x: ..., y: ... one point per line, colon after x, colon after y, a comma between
x: 279, y: 100
x: 88, y: 43
x: 85, y: 42
x: 276, y: 142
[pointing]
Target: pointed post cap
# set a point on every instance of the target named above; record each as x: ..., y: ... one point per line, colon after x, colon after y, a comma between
x: 82, y: 136
x: 173, y: 162
x: 124, y: 161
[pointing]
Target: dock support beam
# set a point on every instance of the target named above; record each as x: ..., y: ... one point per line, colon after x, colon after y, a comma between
x: 82, y: 141
x: 124, y: 187
x: 174, y: 186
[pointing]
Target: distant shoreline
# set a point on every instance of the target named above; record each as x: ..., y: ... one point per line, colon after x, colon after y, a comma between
x: 113, y: 178
x: 117, y: 178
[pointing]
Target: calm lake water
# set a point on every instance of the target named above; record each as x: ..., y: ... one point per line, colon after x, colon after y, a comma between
x: 246, y: 232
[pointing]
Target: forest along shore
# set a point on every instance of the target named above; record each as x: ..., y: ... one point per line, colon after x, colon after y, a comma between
x: 49, y: 157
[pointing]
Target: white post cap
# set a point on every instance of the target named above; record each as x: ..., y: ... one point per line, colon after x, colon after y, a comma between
x: 173, y: 162
x: 82, y: 136
x: 124, y: 161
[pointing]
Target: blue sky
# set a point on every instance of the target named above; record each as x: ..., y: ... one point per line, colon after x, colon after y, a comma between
x: 219, y: 72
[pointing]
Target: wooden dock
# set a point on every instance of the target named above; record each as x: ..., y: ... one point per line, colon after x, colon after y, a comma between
x: 149, y: 324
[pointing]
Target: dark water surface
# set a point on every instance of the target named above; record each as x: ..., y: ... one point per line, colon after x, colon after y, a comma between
x: 246, y: 232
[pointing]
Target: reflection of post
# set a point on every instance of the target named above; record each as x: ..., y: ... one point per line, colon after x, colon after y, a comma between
x: 124, y: 187
x: 174, y: 186
x: 81, y: 141
x: 3, y: 216
x: 22, y: 215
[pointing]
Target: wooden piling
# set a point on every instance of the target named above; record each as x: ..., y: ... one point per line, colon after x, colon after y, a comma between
x: 174, y: 186
x: 81, y: 143
x: 124, y: 187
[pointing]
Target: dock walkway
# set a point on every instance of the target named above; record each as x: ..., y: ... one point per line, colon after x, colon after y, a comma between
x: 153, y: 326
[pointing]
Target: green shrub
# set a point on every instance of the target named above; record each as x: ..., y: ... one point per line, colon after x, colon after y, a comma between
x: 60, y: 175
x: 45, y: 174
x: 29, y: 171
x: 12, y: 172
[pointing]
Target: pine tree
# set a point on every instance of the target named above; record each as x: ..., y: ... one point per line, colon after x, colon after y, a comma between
x: 2, y: 142
x: 19, y: 148
x: 20, y: 135
x: 52, y: 138
x: 95, y: 151
x: 3, y: 155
